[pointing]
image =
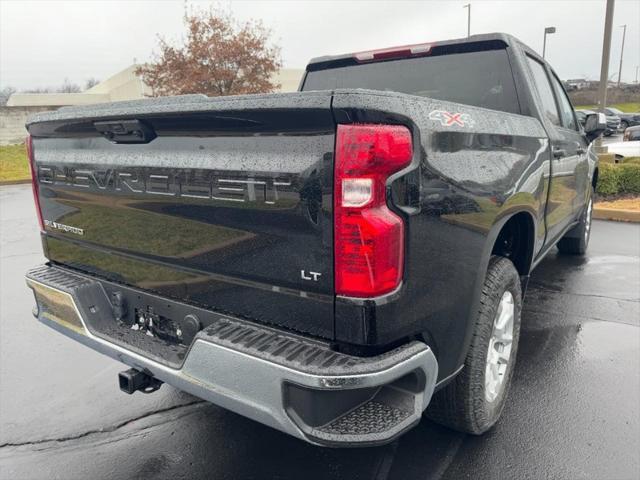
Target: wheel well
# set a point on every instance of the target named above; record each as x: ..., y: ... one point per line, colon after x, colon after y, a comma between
x: 594, y: 180
x: 515, y: 242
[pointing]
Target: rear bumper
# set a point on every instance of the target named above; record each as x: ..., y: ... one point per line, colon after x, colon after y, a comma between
x: 285, y: 381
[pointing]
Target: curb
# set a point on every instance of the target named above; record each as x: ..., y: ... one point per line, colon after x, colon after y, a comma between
x: 616, y: 215
x: 14, y: 182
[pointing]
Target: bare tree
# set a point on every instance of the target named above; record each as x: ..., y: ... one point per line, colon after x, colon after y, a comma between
x: 91, y: 82
x: 218, y: 57
x: 40, y: 90
x: 5, y: 93
x: 69, y: 87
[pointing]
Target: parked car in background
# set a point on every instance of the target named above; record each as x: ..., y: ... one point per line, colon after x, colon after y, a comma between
x: 626, y: 119
x: 613, y: 121
x: 631, y: 134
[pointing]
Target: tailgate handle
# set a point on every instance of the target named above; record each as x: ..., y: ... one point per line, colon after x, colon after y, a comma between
x: 126, y: 131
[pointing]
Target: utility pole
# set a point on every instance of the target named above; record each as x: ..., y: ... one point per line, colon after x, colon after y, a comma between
x: 637, y: 67
x: 547, y: 30
x: 624, y: 33
x: 606, y: 51
x: 468, y: 5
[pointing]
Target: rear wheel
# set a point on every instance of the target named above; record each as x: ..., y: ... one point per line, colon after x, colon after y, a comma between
x: 624, y: 125
x: 474, y: 400
x: 576, y: 241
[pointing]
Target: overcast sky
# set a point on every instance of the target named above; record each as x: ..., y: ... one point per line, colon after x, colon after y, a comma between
x: 44, y: 42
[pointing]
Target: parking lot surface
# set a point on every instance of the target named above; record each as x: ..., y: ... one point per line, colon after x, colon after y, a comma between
x: 573, y: 411
x: 615, y: 138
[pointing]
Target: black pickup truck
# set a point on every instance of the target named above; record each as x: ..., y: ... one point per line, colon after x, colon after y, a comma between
x: 329, y: 262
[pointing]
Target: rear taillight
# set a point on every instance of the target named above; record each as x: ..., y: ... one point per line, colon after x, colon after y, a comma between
x: 369, y: 237
x: 34, y: 180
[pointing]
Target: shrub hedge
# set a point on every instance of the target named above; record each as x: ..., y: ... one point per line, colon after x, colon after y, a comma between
x: 622, y: 178
x: 629, y: 178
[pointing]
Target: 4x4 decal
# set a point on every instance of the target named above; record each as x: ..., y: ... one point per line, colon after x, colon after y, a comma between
x: 448, y: 119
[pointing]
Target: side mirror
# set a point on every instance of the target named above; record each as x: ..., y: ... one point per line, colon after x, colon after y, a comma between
x: 594, y: 125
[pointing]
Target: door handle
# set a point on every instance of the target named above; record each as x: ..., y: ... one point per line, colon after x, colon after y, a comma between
x: 558, y: 152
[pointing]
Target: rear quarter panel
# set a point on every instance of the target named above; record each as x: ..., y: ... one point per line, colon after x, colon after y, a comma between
x: 468, y: 176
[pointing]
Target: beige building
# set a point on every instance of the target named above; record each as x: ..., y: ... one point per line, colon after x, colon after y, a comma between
x: 289, y: 79
x: 124, y: 85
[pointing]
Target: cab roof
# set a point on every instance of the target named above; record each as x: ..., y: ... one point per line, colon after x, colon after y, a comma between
x: 489, y: 41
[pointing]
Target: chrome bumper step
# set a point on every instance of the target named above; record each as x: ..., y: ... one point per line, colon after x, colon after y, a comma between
x: 295, y: 384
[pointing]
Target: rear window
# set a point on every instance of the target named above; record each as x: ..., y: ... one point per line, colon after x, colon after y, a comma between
x: 480, y: 78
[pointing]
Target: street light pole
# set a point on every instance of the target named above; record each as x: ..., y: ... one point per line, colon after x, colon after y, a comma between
x: 547, y: 30
x: 606, y: 51
x: 637, y: 67
x: 624, y: 33
x: 468, y: 5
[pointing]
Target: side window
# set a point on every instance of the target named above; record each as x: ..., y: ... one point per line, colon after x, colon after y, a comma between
x: 566, y: 110
x: 543, y: 86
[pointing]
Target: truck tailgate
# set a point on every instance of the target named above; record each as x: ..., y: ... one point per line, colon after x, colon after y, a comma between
x: 224, y: 203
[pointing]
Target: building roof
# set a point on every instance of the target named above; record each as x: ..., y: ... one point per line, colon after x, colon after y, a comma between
x: 124, y: 85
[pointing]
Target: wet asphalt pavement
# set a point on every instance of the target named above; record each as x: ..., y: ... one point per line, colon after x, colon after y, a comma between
x: 573, y: 411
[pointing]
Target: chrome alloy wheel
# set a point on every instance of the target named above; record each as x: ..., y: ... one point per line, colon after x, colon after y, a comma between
x: 499, y: 347
x: 587, y: 223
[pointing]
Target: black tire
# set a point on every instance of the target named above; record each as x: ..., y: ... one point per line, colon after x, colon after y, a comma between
x: 576, y: 240
x: 624, y: 125
x: 462, y: 404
